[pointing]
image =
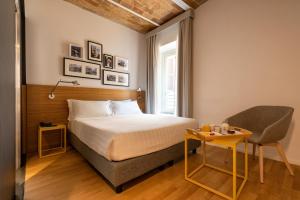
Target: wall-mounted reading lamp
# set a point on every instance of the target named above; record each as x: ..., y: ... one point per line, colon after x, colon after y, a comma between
x: 51, y: 94
x: 139, y: 95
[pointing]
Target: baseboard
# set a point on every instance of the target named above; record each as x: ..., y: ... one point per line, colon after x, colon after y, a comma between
x: 270, y: 153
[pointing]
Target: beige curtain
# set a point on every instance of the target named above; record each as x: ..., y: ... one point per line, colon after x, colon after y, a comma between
x: 185, y: 96
x: 151, y: 67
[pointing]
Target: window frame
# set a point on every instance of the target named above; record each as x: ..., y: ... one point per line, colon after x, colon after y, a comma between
x: 166, y: 50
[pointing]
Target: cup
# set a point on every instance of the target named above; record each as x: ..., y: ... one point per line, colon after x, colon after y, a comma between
x: 217, y: 129
x: 225, y: 127
x: 205, y: 128
x: 212, y: 127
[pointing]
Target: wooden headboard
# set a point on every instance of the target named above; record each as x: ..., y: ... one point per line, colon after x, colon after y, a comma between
x: 38, y: 107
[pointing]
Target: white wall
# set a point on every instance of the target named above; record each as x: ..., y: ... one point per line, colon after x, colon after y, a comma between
x: 52, y: 24
x: 247, y: 53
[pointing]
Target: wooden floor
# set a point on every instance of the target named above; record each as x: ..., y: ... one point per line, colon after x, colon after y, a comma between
x: 69, y: 176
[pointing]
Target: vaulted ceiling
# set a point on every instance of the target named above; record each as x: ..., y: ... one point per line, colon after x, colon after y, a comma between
x: 140, y: 15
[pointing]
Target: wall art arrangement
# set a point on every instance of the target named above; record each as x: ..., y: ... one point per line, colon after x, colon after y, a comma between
x: 108, y: 61
x: 82, y: 69
x: 114, y: 69
x: 94, y: 51
x: 115, y: 78
x: 121, y: 63
x: 75, y: 51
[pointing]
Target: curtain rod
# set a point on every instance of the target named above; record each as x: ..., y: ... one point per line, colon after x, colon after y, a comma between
x: 186, y: 14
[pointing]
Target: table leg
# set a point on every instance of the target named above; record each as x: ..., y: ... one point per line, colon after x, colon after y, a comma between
x: 185, y: 158
x: 204, y: 152
x: 61, y: 138
x: 234, y: 172
x: 40, y: 143
x: 65, y: 141
x: 246, y: 159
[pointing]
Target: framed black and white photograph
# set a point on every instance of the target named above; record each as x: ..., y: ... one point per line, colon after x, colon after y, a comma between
x: 75, y: 51
x: 108, y: 61
x: 82, y: 69
x: 115, y: 78
x: 94, y: 51
x: 121, y: 64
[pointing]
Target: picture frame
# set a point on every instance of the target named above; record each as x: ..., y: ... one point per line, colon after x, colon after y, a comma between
x: 121, y: 64
x: 82, y: 69
x: 108, y: 61
x: 95, y: 51
x: 115, y: 78
x: 75, y: 51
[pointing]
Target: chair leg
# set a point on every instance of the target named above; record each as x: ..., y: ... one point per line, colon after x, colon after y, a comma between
x: 254, y: 151
x: 283, y: 157
x: 261, y: 163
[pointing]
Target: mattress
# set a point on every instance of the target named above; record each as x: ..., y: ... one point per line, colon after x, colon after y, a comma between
x: 127, y: 136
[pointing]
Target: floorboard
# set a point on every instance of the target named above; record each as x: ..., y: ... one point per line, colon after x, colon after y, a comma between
x: 69, y: 176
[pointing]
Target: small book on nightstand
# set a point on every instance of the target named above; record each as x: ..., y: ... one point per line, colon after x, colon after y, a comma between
x: 47, y: 124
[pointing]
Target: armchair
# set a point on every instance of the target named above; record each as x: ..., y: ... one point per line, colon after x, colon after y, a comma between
x: 269, y: 124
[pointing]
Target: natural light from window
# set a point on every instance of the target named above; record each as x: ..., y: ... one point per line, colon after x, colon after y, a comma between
x: 167, y: 79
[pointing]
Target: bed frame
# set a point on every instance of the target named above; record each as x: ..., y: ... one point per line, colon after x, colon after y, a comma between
x: 37, y: 107
x: 119, y: 173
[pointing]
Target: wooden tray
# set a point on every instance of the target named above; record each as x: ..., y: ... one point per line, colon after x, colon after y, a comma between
x: 207, y: 136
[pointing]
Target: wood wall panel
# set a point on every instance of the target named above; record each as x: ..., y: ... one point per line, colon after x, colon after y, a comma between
x: 23, y: 118
x: 40, y: 108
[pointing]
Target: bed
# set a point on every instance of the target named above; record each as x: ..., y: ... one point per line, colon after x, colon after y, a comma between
x: 126, y: 146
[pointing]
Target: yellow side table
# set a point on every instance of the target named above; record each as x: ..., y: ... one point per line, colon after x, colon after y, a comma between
x: 226, y: 141
x: 63, y: 140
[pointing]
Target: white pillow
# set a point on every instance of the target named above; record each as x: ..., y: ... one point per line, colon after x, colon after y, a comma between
x: 86, y: 109
x: 125, y: 108
x: 113, y: 102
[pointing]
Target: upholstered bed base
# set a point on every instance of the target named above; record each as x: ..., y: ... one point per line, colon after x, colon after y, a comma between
x: 120, y: 172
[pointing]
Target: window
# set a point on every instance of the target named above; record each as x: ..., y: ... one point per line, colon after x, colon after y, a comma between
x: 167, y: 79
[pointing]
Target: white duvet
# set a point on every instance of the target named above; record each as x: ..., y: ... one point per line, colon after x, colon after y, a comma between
x: 126, y: 136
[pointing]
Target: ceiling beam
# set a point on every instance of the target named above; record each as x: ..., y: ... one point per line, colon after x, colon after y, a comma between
x: 132, y: 12
x: 195, y: 3
x: 182, y: 4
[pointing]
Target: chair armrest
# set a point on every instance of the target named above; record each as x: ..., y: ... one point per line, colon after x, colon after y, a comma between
x: 240, y: 120
x: 226, y: 120
x: 277, y: 130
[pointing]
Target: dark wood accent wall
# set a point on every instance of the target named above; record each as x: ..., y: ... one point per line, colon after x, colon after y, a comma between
x: 23, y: 119
x: 7, y: 100
x: 41, y: 108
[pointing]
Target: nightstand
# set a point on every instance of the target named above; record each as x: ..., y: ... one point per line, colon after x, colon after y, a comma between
x: 63, y: 140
